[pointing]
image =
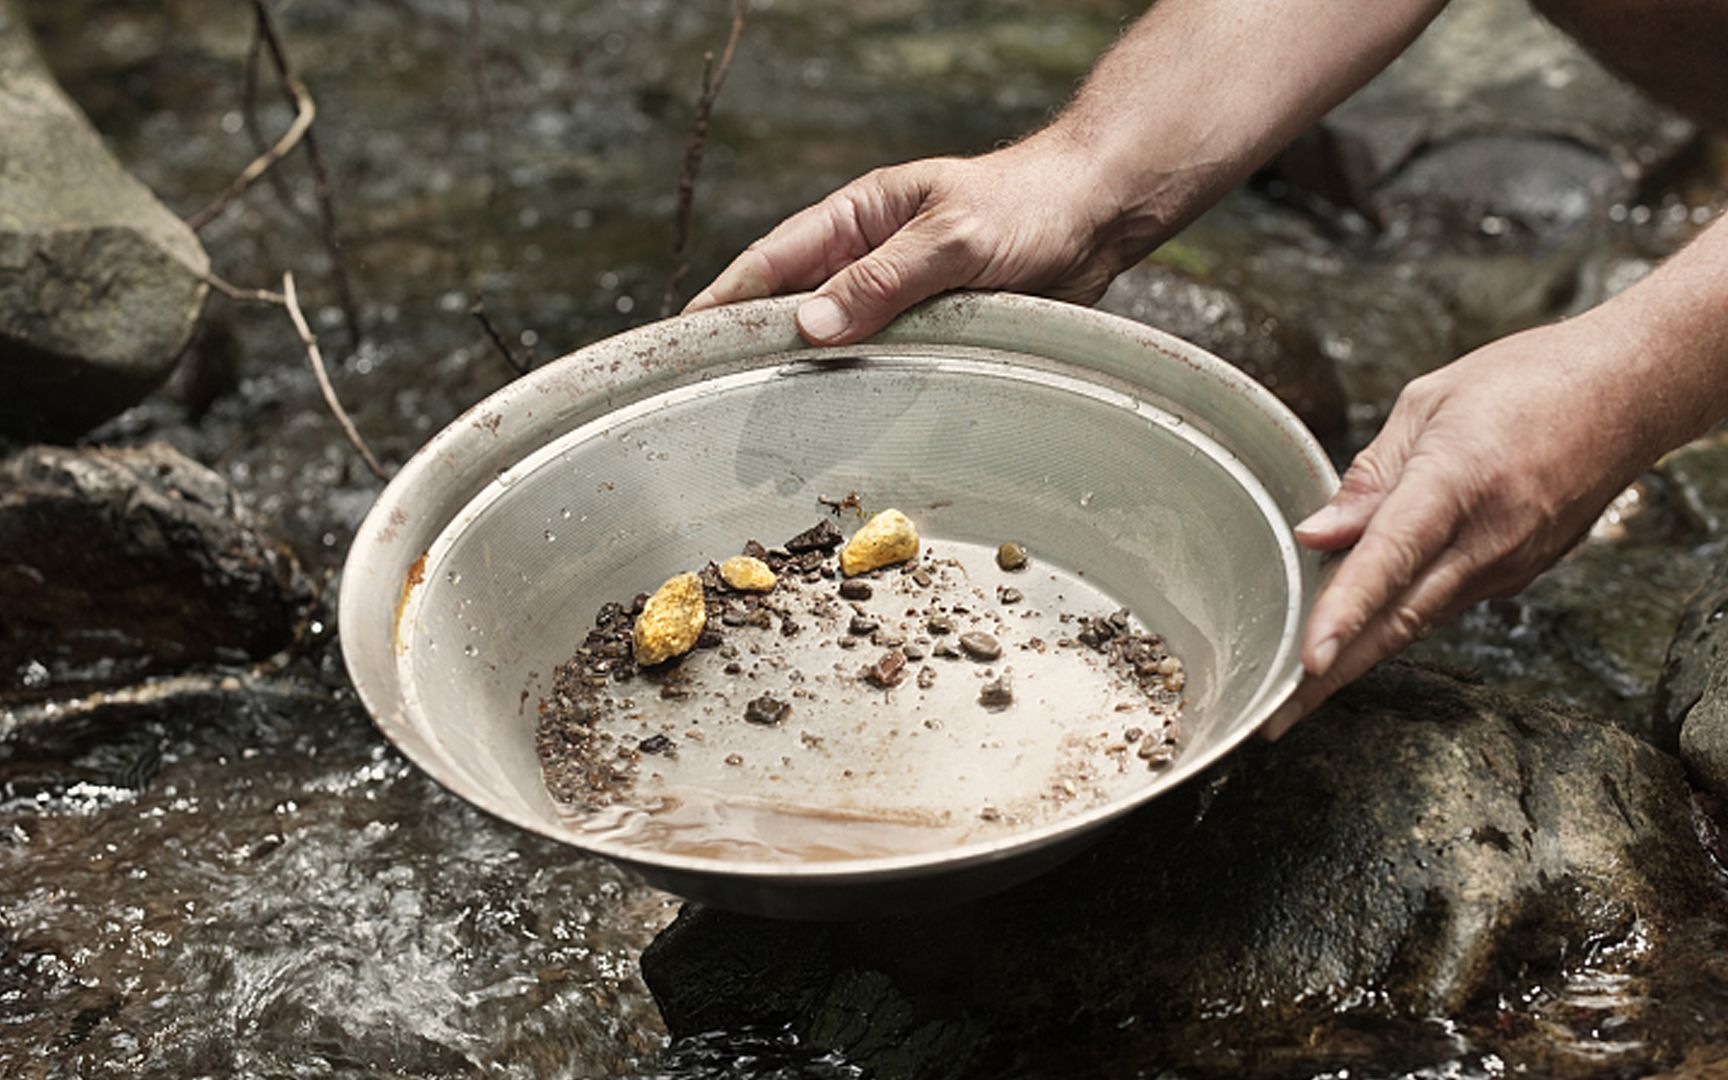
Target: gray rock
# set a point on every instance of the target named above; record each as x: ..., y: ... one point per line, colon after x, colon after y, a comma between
x: 1699, y: 648
x: 1487, y: 68
x: 116, y: 564
x: 1421, y: 848
x: 100, y: 284
x: 1278, y: 354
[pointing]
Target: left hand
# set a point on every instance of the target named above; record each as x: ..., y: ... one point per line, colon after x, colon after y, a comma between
x: 1485, y: 473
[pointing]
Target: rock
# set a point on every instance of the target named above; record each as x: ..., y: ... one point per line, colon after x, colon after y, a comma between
x: 671, y: 621
x: 1422, y: 848
x: 1219, y: 319
x: 100, y: 284
x: 886, y: 539
x: 1487, y: 69
x: 115, y: 564
x: 1699, y: 648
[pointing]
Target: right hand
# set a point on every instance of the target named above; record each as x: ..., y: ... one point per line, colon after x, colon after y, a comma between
x: 1028, y: 218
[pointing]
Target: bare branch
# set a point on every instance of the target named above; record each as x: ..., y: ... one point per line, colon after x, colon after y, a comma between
x: 243, y: 295
x: 713, y: 78
x: 292, y: 302
x: 327, y: 210
x: 304, y: 111
x: 478, y: 310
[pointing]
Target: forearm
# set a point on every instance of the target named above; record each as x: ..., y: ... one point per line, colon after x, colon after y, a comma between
x: 1198, y: 93
x: 1671, y: 331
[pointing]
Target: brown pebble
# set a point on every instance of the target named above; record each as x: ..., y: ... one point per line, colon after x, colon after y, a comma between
x: 940, y: 624
x: 766, y: 709
x: 822, y: 536
x: 926, y: 678
x: 861, y: 625
x: 734, y: 759
x: 1011, y: 556
x: 997, y: 693
x: 922, y: 578
x: 855, y: 589
x: 914, y: 651
x: 980, y: 646
x: 654, y: 744
x: 888, y: 670
x: 1010, y: 596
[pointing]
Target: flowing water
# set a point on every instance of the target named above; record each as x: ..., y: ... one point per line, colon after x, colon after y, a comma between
x: 273, y: 890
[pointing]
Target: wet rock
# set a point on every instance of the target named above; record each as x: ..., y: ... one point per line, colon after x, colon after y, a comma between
x: 1420, y: 847
x: 1274, y: 352
x: 115, y: 564
x: 1698, y: 650
x: 1485, y: 68
x: 100, y: 284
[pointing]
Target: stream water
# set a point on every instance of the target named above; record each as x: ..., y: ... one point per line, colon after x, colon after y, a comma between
x: 275, y: 891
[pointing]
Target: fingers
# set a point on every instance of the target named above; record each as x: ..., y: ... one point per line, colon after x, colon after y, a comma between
x: 1433, y: 598
x: 798, y: 254
x: 913, y: 264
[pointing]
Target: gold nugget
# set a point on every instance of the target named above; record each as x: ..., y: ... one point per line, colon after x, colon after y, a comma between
x: 747, y: 574
x: 670, y: 622
x: 886, y: 539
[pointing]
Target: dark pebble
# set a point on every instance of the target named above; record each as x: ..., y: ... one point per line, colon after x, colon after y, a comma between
x: 1010, y: 596
x: 789, y: 626
x: 733, y: 617
x: 997, y: 693
x: 767, y: 709
x: 638, y: 602
x: 855, y: 589
x: 922, y: 577
x: 887, y: 671
x: 822, y: 536
x: 609, y: 611
x: 946, y: 651
x: 1011, y: 556
x: 654, y: 744
x: 940, y: 624
x: 755, y: 550
x: 914, y: 652
x: 980, y: 646
x: 862, y: 625
x: 709, y: 639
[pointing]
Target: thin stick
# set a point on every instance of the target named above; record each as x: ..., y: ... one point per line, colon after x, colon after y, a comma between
x: 248, y: 296
x: 478, y: 310
x: 304, y: 112
x: 255, y: 128
x: 713, y: 78
x: 327, y: 209
x: 292, y: 303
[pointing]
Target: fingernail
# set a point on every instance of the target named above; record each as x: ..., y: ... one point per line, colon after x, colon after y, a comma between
x: 821, y: 318
x: 703, y: 299
x: 1325, y: 518
x: 1324, y: 654
x: 1281, y: 721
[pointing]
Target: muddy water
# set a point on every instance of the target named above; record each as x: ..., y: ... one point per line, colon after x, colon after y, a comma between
x: 275, y: 891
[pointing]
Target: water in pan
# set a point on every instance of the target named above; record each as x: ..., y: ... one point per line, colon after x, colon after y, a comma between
x: 1004, y: 716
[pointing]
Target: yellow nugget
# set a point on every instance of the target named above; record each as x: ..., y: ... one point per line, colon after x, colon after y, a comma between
x: 670, y: 622
x: 886, y: 539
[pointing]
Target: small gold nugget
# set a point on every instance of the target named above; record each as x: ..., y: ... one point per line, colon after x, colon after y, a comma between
x: 670, y: 622
x: 886, y: 539
x: 747, y: 574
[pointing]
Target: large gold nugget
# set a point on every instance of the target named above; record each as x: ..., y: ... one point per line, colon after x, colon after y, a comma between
x: 886, y: 539
x: 747, y: 574
x: 671, y: 621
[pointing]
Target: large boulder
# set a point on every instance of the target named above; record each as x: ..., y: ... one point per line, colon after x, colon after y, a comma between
x: 1422, y: 848
x: 115, y: 564
x: 100, y: 284
x: 1493, y: 117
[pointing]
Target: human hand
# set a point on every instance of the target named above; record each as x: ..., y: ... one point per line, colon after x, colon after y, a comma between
x: 1031, y: 217
x: 1485, y: 473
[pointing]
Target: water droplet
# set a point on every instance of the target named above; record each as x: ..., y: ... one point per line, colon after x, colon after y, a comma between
x: 564, y: 513
x: 453, y: 578
x: 1086, y: 499
x: 470, y: 650
x: 550, y: 536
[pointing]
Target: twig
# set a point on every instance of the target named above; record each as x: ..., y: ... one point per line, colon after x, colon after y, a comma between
x: 478, y: 310
x: 316, y: 358
x: 713, y: 78
x: 255, y: 128
x: 327, y: 209
x: 250, y: 296
x: 304, y: 111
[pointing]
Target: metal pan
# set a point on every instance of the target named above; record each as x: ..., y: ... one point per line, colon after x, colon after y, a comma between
x: 1140, y: 471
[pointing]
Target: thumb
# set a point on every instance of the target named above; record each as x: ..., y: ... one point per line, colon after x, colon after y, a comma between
x: 915, y: 263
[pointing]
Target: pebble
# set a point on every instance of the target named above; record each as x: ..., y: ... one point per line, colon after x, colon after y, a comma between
x: 862, y: 625
x: 822, y: 536
x: 766, y: 709
x: 671, y: 621
x: 886, y: 539
x: 747, y: 574
x: 997, y: 693
x: 921, y: 578
x: 1011, y: 556
x: 734, y: 759
x: 853, y: 589
x: 914, y: 651
x: 940, y: 624
x: 887, y: 671
x: 654, y: 744
x: 980, y: 646
x: 926, y: 678
x: 1010, y: 596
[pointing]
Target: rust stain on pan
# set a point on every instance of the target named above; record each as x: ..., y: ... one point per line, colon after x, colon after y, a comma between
x: 416, y: 575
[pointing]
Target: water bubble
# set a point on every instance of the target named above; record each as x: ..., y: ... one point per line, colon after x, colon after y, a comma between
x: 1086, y: 499
x: 453, y: 578
x: 470, y: 650
x: 564, y: 513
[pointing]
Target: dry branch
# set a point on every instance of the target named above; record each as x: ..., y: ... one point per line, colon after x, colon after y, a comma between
x: 320, y: 173
x: 478, y: 310
x: 713, y: 78
x: 292, y: 302
x: 304, y: 111
x: 244, y: 295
